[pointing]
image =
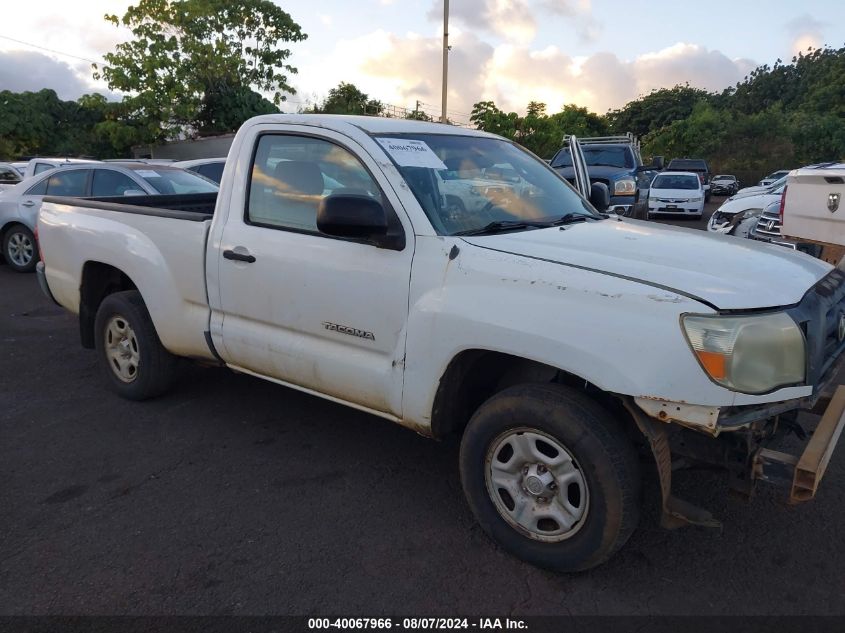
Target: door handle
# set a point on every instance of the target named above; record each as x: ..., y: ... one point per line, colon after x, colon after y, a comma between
x: 240, y: 257
x: 28, y: 203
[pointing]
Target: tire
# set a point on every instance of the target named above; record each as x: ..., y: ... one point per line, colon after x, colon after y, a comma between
x: 135, y: 363
x: 20, y: 249
x: 639, y: 210
x: 603, y: 468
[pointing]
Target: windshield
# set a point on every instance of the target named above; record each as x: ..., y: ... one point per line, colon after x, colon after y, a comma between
x: 170, y: 180
x: 464, y: 183
x: 687, y: 165
x: 597, y: 156
x: 721, y: 177
x: 670, y: 181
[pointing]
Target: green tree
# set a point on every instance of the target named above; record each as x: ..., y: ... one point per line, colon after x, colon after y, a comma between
x: 188, y: 57
x: 657, y: 109
x: 346, y: 98
x: 39, y: 123
x: 536, y: 109
x: 225, y: 107
x: 541, y: 133
x: 418, y: 115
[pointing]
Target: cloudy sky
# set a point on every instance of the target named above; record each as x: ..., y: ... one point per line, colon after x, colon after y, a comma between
x: 594, y: 53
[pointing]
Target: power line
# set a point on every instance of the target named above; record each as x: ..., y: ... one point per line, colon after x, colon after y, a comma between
x: 49, y: 50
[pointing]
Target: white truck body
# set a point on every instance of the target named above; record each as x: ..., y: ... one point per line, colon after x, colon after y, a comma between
x: 581, y: 271
x: 380, y: 329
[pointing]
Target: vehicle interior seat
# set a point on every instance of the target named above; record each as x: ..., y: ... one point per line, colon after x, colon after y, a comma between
x: 290, y: 197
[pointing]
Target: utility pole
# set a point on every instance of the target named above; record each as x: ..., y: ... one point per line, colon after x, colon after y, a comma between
x: 443, y: 118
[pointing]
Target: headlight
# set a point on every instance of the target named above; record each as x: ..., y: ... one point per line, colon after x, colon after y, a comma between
x: 625, y: 187
x: 749, y: 354
x: 698, y: 199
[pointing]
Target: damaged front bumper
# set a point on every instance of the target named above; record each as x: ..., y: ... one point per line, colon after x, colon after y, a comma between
x: 803, y: 475
x: 744, y: 453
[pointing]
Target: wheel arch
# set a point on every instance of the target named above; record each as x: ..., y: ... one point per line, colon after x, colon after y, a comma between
x: 475, y: 375
x: 9, y: 224
x: 99, y: 280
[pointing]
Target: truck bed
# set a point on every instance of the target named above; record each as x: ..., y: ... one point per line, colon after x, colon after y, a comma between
x: 157, y: 242
x: 187, y: 206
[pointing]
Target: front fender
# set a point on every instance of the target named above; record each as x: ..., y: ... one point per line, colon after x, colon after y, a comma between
x: 622, y: 336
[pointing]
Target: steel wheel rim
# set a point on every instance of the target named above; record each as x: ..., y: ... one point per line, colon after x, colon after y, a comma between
x: 20, y: 249
x: 122, y: 349
x: 536, y: 484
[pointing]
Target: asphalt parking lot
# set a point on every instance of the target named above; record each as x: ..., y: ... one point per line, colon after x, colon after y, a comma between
x: 232, y: 495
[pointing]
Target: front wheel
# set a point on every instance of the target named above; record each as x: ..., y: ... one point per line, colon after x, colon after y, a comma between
x: 136, y: 364
x: 20, y: 249
x: 551, y: 476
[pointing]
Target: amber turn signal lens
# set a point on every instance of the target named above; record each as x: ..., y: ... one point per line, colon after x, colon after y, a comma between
x: 713, y: 363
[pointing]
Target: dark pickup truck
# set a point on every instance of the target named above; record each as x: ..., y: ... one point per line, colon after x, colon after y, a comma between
x: 616, y: 162
x: 697, y: 166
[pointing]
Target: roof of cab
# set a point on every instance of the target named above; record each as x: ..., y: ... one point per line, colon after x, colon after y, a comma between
x: 369, y: 124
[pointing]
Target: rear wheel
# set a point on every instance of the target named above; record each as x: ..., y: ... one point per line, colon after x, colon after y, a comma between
x: 551, y: 477
x: 20, y: 249
x: 134, y: 361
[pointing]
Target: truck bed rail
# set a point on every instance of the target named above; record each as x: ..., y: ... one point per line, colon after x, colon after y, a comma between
x: 196, y: 207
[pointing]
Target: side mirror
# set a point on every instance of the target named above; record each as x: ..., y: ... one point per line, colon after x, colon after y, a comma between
x: 349, y: 215
x: 600, y: 196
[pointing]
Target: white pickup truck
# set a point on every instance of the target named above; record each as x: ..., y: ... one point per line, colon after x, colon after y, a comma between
x: 553, y: 339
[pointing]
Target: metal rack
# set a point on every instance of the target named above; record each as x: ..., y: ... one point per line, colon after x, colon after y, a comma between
x: 628, y: 137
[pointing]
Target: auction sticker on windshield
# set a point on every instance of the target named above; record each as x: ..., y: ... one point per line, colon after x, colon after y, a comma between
x: 411, y: 153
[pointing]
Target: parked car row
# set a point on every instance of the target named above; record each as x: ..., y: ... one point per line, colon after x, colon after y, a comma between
x: 739, y: 213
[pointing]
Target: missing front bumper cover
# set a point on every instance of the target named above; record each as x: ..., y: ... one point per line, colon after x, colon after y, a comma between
x: 802, y: 475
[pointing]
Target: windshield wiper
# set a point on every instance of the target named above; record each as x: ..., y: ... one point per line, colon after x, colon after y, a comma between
x: 505, y: 225
x: 569, y: 218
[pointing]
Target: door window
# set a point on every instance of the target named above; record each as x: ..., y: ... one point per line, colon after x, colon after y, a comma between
x: 108, y: 182
x: 40, y: 168
x: 39, y: 189
x: 68, y: 183
x: 292, y: 174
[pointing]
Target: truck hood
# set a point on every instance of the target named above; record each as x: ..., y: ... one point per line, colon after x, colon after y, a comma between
x: 725, y: 272
x: 749, y: 191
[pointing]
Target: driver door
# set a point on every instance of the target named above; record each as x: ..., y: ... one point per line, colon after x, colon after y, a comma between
x: 321, y: 313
